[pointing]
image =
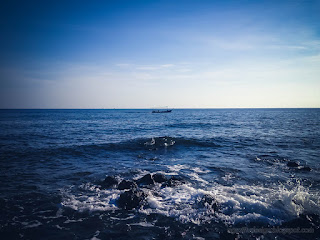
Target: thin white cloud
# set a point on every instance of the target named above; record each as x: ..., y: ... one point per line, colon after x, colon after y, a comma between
x: 123, y: 65
x: 148, y: 68
x: 167, y: 65
x: 154, y: 67
x: 279, y: 83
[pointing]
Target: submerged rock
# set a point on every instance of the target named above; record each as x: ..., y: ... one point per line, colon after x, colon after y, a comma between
x: 159, y: 178
x: 131, y: 199
x: 208, y: 202
x: 305, y: 221
x: 109, y: 182
x: 292, y: 164
x: 306, y: 169
x: 173, y: 181
x: 146, y: 180
x: 127, y: 184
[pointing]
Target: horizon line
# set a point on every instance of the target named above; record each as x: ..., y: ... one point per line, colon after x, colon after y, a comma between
x: 158, y: 108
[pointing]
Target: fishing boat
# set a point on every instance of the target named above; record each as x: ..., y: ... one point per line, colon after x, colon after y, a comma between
x: 162, y: 111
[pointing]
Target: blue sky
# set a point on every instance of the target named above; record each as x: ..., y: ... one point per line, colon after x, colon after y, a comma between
x: 146, y: 54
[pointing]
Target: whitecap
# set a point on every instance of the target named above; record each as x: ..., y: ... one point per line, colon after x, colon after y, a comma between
x: 177, y: 167
x: 272, y: 205
x: 94, y: 199
x: 237, y: 203
x: 195, y: 176
x: 199, y: 170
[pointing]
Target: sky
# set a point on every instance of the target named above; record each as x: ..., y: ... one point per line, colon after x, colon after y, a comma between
x: 152, y: 54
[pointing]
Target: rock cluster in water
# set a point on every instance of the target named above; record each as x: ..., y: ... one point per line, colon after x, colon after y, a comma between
x: 109, y: 182
x: 127, y: 184
x: 134, y: 196
x: 208, y: 202
x: 131, y: 199
x: 296, y: 165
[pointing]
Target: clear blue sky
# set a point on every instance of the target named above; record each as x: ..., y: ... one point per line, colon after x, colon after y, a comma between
x: 145, y: 54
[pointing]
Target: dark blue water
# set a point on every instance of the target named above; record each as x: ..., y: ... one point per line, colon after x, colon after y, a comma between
x: 259, y: 166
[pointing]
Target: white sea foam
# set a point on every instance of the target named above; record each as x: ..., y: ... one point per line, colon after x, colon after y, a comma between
x: 179, y: 202
x: 199, y: 170
x: 227, y: 177
x: 95, y: 199
x: 237, y: 203
x: 267, y: 204
x: 196, y: 177
x: 151, y: 143
x: 178, y: 167
x: 166, y: 173
x: 161, y: 141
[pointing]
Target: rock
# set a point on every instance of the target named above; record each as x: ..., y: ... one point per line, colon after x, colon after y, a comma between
x: 146, y: 180
x: 292, y: 164
x: 159, y: 178
x: 131, y: 199
x: 173, y: 181
x: 310, y: 220
x: 306, y: 169
x: 208, y: 202
x: 109, y: 182
x: 126, y: 184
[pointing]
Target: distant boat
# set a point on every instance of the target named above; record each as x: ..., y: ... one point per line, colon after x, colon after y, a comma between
x: 161, y: 111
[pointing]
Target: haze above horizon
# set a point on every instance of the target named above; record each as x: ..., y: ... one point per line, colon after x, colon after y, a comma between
x: 148, y: 54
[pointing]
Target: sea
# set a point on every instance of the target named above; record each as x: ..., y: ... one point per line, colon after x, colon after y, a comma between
x: 193, y: 174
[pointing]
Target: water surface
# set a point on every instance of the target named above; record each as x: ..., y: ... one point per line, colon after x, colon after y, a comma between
x: 52, y: 164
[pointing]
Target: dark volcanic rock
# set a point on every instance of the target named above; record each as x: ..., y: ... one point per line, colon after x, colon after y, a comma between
x: 292, y: 164
x: 146, y: 180
x: 109, y: 182
x: 131, y: 199
x: 126, y: 184
x: 306, y: 169
x: 159, y: 178
x: 209, y: 202
x: 173, y: 181
x: 304, y: 221
x: 310, y: 222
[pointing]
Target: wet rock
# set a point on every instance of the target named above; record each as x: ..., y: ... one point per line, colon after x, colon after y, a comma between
x: 292, y: 164
x: 159, y: 178
x: 173, y: 181
x: 126, y: 184
x: 305, y: 221
x: 305, y: 169
x: 208, y: 202
x: 131, y: 199
x: 146, y: 180
x: 228, y: 236
x: 109, y: 182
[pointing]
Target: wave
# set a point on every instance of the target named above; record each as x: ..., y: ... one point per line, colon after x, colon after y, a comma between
x: 239, y: 203
x: 135, y: 144
x: 203, y: 125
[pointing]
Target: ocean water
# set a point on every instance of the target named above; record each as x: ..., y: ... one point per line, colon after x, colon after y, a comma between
x: 233, y: 169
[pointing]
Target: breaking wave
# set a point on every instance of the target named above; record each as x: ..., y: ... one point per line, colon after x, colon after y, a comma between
x: 236, y: 204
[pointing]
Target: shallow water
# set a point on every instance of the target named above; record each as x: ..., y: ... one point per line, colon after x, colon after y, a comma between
x: 53, y: 162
